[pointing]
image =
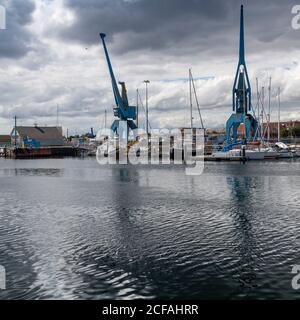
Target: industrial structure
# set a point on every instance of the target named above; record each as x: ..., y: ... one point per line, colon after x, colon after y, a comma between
x: 241, y: 100
x: 122, y: 111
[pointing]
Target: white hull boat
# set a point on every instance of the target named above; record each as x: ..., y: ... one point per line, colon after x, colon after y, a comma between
x: 286, y: 154
x: 255, y: 155
x: 269, y: 153
x: 233, y: 155
x: 296, y: 154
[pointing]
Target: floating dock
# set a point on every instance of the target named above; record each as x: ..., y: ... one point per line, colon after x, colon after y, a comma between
x: 43, y: 152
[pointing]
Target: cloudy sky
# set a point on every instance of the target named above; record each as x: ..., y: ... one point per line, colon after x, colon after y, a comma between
x: 50, y: 54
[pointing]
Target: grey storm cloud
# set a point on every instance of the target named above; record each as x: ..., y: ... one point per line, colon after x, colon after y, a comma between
x: 16, y: 40
x: 175, y: 25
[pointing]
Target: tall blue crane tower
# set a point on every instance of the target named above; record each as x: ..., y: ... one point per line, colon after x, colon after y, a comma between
x: 122, y: 110
x: 241, y: 98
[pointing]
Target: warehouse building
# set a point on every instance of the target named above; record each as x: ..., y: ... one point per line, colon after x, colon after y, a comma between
x: 36, y: 137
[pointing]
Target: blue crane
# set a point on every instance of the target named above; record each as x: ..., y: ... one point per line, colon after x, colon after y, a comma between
x: 241, y: 98
x: 122, y: 110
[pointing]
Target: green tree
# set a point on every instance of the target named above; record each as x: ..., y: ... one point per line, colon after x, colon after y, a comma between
x: 296, y: 132
x: 285, y: 133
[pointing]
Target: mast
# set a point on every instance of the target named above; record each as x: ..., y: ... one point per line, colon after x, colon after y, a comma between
x: 137, y: 107
x: 15, y: 132
x: 147, y: 109
x: 245, y: 109
x: 191, y: 100
x: 57, y: 122
x: 197, y: 102
x: 262, y: 111
x: 269, y: 110
x: 279, y: 133
x: 258, y: 109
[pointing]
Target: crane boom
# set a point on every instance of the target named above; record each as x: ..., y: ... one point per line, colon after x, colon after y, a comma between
x: 115, y: 88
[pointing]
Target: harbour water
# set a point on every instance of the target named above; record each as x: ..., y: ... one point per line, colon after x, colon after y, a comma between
x: 72, y: 229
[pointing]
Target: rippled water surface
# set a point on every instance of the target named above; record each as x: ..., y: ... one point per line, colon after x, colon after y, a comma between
x: 72, y: 229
